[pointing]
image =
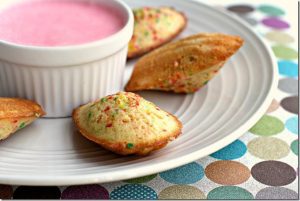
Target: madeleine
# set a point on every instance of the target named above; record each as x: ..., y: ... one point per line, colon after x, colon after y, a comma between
x: 154, y: 27
x: 16, y: 114
x: 125, y: 123
x: 184, y: 66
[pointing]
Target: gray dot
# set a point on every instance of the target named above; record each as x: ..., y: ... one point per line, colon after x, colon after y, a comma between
x: 276, y: 193
x: 290, y: 104
x: 241, y: 9
x: 273, y: 173
x: 288, y: 85
x: 249, y: 20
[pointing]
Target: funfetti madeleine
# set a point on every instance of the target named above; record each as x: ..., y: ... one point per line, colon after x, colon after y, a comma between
x: 16, y: 114
x: 184, y: 66
x: 125, y: 123
x: 154, y: 27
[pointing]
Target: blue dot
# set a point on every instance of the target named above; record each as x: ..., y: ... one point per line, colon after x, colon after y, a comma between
x: 186, y: 174
x: 233, y: 151
x: 292, y: 125
x: 133, y: 192
x: 288, y: 68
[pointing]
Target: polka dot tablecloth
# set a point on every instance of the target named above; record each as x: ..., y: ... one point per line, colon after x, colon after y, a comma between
x: 262, y: 164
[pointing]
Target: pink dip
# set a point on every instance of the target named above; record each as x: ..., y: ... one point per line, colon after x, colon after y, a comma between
x: 58, y: 22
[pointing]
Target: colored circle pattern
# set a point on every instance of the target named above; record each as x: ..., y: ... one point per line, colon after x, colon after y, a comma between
x: 268, y: 148
x: 288, y: 68
x: 290, y: 104
x: 229, y: 193
x: 279, y: 37
x: 276, y: 193
x: 233, y: 151
x: 284, y: 52
x: 6, y: 192
x: 133, y: 192
x: 187, y: 174
x: 38, y: 192
x: 184, y: 192
x: 249, y: 20
x: 271, y: 10
x: 241, y: 9
x: 267, y: 125
x: 295, y: 147
x: 274, y: 106
x: 85, y: 192
x: 141, y: 179
x: 273, y: 173
x: 227, y: 172
x: 292, y: 124
x: 275, y: 23
x: 288, y: 85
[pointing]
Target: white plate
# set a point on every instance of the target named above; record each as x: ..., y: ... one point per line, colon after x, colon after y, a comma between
x: 50, y: 152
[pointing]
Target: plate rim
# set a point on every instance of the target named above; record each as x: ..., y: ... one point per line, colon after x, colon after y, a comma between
x: 172, y: 163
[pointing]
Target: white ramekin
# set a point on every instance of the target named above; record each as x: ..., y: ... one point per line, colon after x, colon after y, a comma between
x: 62, y: 78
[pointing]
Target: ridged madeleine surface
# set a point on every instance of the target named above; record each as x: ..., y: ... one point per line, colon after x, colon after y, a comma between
x: 16, y: 113
x: 184, y: 66
x: 125, y: 123
x: 153, y: 27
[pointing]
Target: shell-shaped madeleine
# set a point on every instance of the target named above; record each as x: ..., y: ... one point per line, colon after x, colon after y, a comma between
x: 16, y: 113
x: 184, y: 66
x: 153, y: 27
x: 125, y: 123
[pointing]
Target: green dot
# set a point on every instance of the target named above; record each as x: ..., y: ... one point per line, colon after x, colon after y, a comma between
x: 103, y: 100
x: 295, y: 147
x: 89, y: 115
x: 228, y: 193
x: 141, y: 179
x: 271, y: 10
x: 129, y: 146
x: 284, y: 52
x: 22, y: 125
x: 267, y: 126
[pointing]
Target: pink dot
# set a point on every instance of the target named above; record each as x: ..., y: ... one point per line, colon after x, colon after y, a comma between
x: 85, y: 192
x: 275, y: 23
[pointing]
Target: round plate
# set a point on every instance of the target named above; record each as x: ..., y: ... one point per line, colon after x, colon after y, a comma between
x: 51, y: 152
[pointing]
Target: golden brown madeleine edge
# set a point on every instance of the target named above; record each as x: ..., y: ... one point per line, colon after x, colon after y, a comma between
x: 19, y: 108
